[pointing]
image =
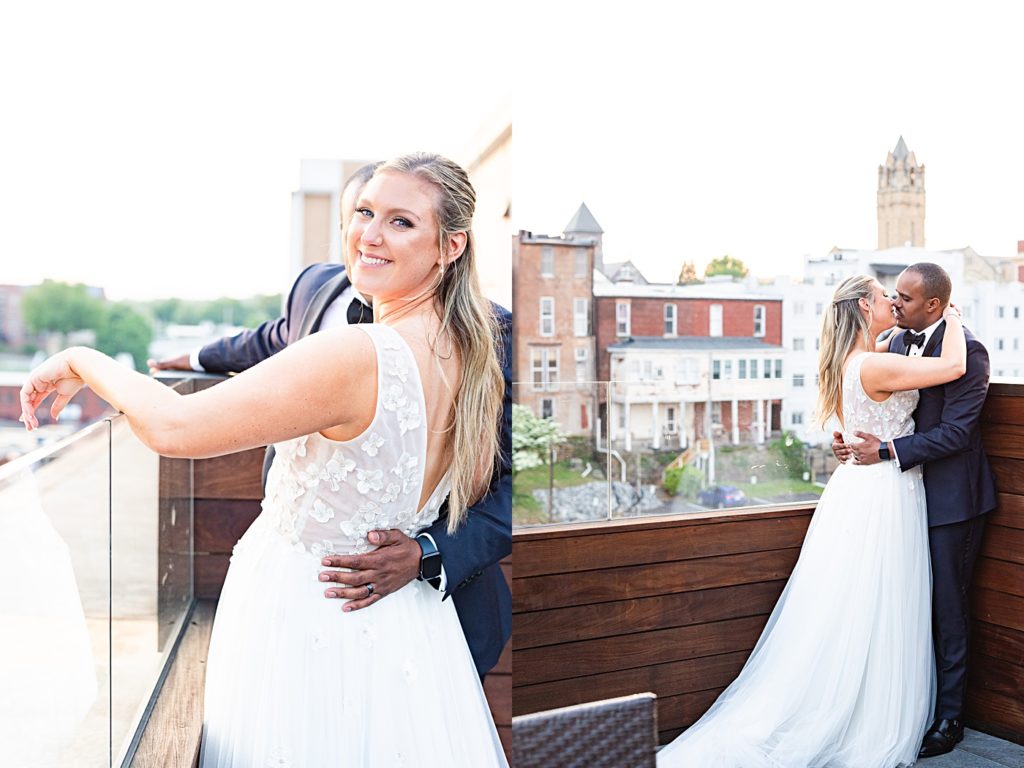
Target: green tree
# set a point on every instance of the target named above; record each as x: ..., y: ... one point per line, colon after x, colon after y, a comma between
x: 55, y: 307
x: 532, y: 438
x: 791, y: 455
x: 726, y: 265
x: 122, y: 329
x: 165, y: 310
x: 688, y: 274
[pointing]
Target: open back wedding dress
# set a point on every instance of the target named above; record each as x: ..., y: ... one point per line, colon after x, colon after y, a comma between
x: 292, y: 680
x: 843, y: 675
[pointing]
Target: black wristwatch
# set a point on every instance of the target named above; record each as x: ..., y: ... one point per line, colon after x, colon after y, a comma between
x: 430, y: 561
x: 883, y: 452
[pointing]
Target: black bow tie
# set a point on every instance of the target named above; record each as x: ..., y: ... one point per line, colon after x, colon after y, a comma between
x: 358, y: 313
x: 910, y: 339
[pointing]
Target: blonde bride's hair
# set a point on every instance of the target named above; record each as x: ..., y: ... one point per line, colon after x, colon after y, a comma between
x: 842, y: 326
x: 468, y: 319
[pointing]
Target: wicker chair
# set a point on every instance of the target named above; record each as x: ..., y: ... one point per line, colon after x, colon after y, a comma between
x: 614, y: 733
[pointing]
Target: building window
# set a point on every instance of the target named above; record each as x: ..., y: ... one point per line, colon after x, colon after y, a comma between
x: 753, y: 369
x: 547, y: 261
x: 999, y: 344
x: 798, y: 345
x: 686, y: 371
x: 544, y: 368
x: 715, y: 327
x: 1016, y: 345
x: 547, y: 408
x: 670, y: 319
x: 716, y: 414
x: 798, y: 379
x: 767, y: 369
x: 727, y: 372
x: 670, y: 420
x: 818, y: 307
x: 743, y: 368
x: 759, y: 320
x: 1000, y: 312
x: 716, y: 369
x: 621, y: 318
x: 778, y: 369
x: 797, y: 418
x: 581, y: 365
x: 581, y: 262
x: 798, y: 307
x: 581, y: 317
x: 817, y: 344
x: 1016, y: 313
x: 547, y: 316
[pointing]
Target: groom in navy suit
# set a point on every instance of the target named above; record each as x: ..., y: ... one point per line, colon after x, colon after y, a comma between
x: 958, y: 483
x: 323, y: 296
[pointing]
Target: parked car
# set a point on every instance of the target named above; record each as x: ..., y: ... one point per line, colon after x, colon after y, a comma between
x: 719, y: 496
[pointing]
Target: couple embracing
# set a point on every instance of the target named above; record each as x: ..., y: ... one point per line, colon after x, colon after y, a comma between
x: 863, y: 661
x: 334, y: 642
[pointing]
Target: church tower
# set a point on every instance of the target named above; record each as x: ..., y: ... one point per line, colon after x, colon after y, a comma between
x: 900, y: 199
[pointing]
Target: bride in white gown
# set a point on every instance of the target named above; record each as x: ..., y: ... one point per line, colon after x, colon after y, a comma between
x: 843, y: 674
x: 374, y: 426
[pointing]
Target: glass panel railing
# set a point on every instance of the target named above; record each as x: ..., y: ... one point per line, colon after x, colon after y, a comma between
x: 95, y: 587
x: 151, y: 521
x: 55, y: 604
x: 606, y: 450
x: 562, y: 469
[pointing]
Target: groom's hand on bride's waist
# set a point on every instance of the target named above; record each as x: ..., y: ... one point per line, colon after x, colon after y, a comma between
x: 391, y: 566
x: 839, y: 448
x: 866, y: 451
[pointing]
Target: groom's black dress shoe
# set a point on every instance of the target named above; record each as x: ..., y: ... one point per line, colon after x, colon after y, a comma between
x: 941, y: 738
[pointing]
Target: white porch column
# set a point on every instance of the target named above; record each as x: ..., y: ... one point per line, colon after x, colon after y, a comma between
x: 735, y: 423
x: 768, y: 417
x: 655, y: 427
x: 683, y: 426
x: 759, y: 421
x: 629, y: 429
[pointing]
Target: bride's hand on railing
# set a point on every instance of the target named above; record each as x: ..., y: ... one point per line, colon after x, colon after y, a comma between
x: 53, y: 375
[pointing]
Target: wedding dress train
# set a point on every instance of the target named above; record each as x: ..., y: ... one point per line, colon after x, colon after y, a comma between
x: 843, y: 675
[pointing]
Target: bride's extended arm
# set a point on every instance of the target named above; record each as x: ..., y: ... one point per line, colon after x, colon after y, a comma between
x: 295, y: 392
x: 897, y: 373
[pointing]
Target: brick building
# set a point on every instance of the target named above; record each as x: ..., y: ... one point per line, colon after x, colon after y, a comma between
x: 552, y: 314
x: 85, y: 408
x: 687, y: 362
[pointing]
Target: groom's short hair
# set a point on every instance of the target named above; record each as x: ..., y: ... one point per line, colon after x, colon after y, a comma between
x: 934, y: 279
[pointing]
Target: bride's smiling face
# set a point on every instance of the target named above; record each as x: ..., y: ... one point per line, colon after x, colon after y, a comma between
x: 393, y: 237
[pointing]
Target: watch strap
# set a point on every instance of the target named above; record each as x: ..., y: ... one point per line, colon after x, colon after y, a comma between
x: 430, y: 561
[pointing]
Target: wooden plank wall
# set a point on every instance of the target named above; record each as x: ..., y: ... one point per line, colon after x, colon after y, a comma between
x: 669, y: 605
x: 674, y: 605
x: 995, y: 695
x: 227, y: 493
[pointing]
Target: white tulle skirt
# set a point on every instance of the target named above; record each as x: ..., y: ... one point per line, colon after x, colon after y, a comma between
x: 843, y: 675
x: 292, y: 681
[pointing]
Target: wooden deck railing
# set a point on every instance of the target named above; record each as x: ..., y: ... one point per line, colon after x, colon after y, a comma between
x: 674, y: 605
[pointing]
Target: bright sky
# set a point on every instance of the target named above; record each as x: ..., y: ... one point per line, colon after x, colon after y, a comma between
x: 153, y: 149
x: 756, y: 129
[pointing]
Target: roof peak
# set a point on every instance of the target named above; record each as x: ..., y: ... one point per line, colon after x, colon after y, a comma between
x: 583, y: 221
x: 901, y: 151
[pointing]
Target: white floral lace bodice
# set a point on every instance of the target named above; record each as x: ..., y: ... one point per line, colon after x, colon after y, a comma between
x: 887, y: 420
x: 324, y: 496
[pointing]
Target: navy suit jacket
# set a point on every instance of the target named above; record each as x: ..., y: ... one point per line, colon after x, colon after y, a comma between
x: 470, y: 555
x: 958, y: 483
